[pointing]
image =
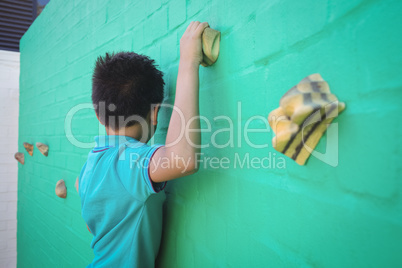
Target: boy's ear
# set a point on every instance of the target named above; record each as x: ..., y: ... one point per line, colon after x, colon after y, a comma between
x: 98, y: 118
x: 154, y: 114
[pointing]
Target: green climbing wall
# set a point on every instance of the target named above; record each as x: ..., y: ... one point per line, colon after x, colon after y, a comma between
x: 348, y: 214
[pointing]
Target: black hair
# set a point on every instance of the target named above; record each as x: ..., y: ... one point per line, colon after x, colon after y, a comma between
x: 125, y: 84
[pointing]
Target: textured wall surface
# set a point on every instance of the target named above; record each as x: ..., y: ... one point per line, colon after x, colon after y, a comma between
x: 9, y: 79
x: 298, y: 216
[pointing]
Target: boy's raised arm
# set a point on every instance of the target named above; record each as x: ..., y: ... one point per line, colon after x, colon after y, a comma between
x: 183, y: 136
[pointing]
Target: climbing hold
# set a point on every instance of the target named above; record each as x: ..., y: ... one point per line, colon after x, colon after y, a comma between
x: 210, y: 46
x: 43, y: 148
x: 61, y: 190
x: 302, y: 118
x: 20, y: 157
x: 29, y: 148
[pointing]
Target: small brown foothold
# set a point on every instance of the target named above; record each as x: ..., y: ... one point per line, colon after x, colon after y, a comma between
x: 20, y: 157
x: 61, y: 190
x: 210, y: 46
x: 43, y: 148
x: 29, y: 148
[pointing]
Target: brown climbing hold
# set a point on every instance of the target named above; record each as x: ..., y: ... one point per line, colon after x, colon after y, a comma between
x: 61, y: 190
x: 20, y: 157
x: 210, y: 46
x: 43, y: 148
x: 29, y: 148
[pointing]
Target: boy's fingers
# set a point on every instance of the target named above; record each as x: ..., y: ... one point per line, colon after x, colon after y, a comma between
x: 194, y: 25
x: 201, y: 27
x: 189, y: 27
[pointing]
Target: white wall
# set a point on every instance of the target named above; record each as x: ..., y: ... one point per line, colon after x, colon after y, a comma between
x: 9, y: 106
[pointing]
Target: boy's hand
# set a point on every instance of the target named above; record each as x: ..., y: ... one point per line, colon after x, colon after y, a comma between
x: 190, y: 43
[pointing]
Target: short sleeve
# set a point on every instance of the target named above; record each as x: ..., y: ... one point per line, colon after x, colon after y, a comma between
x: 133, y: 169
x: 156, y: 187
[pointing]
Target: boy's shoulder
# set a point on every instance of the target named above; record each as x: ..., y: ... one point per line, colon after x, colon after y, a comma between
x: 137, y: 150
x: 124, y: 158
x: 134, y: 162
x: 125, y: 145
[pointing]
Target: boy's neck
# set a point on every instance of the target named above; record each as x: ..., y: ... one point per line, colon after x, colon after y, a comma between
x: 134, y: 131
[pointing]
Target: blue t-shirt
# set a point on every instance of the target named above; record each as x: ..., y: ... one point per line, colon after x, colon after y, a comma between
x: 120, y: 204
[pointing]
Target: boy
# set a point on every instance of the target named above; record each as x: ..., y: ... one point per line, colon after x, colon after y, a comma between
x: 121, y: 184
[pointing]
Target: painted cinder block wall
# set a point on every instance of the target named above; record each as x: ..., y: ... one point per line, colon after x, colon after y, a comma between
x: 299, y: 216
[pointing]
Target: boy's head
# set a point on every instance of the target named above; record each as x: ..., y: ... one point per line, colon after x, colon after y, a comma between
x: 124, y: 87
